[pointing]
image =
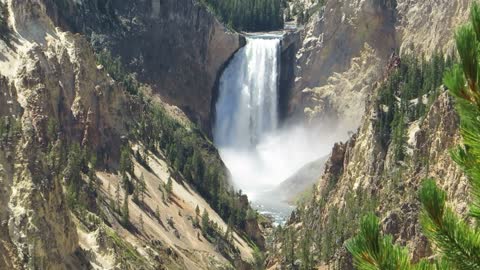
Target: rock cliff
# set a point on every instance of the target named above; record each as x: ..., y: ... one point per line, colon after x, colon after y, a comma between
x: 343, y: 31
x: 176, y: 46
x: 362, y: 174
x: 54, y: 95
x: 335, y: 35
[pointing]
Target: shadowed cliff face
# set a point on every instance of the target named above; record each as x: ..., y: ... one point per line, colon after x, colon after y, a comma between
x: 176, y: 46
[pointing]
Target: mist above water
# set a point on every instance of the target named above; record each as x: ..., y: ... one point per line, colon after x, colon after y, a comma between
x: 276, y: 157
x: 257, y: 152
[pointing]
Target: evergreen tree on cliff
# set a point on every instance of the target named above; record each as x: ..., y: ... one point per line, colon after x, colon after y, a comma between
x: 249, y: 15
x: 456, y: 242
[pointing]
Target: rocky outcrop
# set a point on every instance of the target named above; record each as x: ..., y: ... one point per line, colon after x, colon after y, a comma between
x: 428, y: 26
x: 53, y: 93
x: 343, y: 31
x: 362, y: 171
x: 176, y: 46
x: 333, y: 36
x: 342, y: 99
x: 338, y: 32
x: 55, y: 81
x: 436, y: 136
x: 255, y: 233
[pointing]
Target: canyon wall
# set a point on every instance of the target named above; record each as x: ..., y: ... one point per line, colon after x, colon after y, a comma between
x: 176, y: 46
x: 347, y: 44
x: 55, y: 94
x: 349, y: 49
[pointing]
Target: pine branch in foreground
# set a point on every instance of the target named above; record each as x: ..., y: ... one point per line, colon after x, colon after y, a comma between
x: 457, y: 244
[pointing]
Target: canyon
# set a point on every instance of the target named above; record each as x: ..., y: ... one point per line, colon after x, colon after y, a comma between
x: 223, y: 130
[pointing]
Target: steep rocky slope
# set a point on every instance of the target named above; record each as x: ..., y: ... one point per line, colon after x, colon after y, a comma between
x: 364, y: 174
x: 343, y: 31
x: 333, y: 36
x: 176, y: 46
x: 63, y: 120
x: 428, y: 25
x: 342, y: 99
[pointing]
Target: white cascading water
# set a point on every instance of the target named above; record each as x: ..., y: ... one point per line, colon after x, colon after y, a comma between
x: 247, y: 105
x: 257, y: 152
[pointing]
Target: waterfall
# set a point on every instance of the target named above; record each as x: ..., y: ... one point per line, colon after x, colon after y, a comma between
x: 246, y: 109
x: 258, y: 153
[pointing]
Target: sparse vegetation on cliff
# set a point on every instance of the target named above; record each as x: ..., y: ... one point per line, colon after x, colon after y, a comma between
x: 332, y: 217
x: 249, y: 15
x: 184, y: 147
x: 405, y: 96
x: 114, y: 67
x: 319, y: 241
x: 188, y: 155
x: 456, y: 242
x: 9, y: 130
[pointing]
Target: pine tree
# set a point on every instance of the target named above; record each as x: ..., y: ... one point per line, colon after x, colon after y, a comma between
x: 73, y: 169
x: 125, y: 211
x: 288, y: 247
x: 398, y: 132
x: 258, y: 259
x: 169, y: 188
x: 157, y: 212
x: 205, y: 222
x: 126, y: 165
x: 141, y: 222
x: 136, y: 192
x: 249, y: 15
x: 198, y: 168
x: 4, y: 28
x: 305, y: 251
x: 117, y: 197
x: 373, y: 251
x: 142, y: 187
